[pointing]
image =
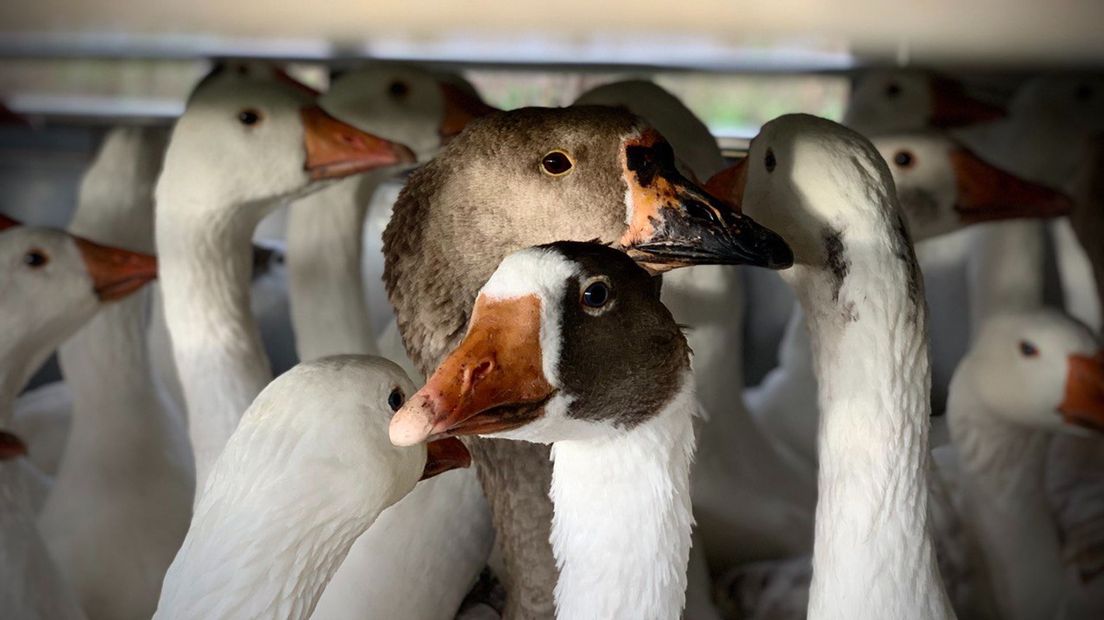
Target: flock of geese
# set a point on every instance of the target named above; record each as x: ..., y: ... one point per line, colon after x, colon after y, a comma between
x: 612, y: 463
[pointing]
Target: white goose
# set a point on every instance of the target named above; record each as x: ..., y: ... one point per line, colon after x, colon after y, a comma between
x: 891, y: 101
x: 942, y: 187
x: 244, y: 143
x: 308, y: 469
x: 121, y: 499
x: 830, y: 194
x: 548, y: 358
x: 51, y: 283
x: 440, y: 533
x: 1026, y: 377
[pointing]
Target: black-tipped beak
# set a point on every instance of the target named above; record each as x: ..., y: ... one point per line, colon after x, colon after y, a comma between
x: 675, y: 223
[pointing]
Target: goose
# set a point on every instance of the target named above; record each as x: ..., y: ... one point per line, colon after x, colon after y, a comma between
x: 521, y: 178
x: 831, y: 196
x: 307, y: 470
x: 1048, y: 137
x: 891, y: 101
x: 246, y: 141
x: 569, y: 345
x: 942, y: 187
x: 440, y: 532
x: 735, y: 458
x: 52, y: 283
x: 1026, y: 376
x: 121, y: 499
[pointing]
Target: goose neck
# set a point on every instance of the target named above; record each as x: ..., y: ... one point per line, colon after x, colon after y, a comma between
x: 206, y: 266
x: 621, y: 529
x: 1007, y: 508
x: 873, y: 554
x: 325, y: 233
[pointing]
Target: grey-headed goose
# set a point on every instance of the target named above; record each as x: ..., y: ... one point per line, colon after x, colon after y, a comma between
x: 522, y: 178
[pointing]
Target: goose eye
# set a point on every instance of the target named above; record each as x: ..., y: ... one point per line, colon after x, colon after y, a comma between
x: 1028, y: 350
x: 904, y: 159
x: 395, y: 399
x: 1083, y: 93
x: 769, y: 161
x: 556, y: 163
x: 596, y: 295
x: 35, y: 258
x: 249, y: 117
x: 892, y: 90
x: 398, y: 89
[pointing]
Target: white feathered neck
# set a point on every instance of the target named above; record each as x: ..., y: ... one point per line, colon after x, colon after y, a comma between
x: 621, y: 529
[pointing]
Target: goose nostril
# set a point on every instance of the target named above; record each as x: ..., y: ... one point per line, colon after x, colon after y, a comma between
x: 698, y: 210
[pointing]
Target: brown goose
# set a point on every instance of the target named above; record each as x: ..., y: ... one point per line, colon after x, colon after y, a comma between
x: 527, y: 177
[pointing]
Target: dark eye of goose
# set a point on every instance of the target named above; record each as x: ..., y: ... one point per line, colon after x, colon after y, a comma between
x: 396, y: 399
x: 556, y: 163
x: 769, y: 161
x: 596, y: 295
x: 892, y: 90
x: 249, y: 117
x: 1083, y: 93
x: 398, y: 89
x: 1028, y: 350
x: 35, y: 258
x: 904, y: 159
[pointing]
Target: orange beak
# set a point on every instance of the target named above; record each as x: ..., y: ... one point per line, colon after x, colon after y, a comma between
x: 492, y: 382
x: 461, y: 108
x: 728, y: 184
x: 952, y: 107
x: 986, y: 192
x: 7, y: 222
x: 336, y: 149
x: 443, y: 455
x: 115, y: 273
x: 1083, y: 404
x: 11, y: 446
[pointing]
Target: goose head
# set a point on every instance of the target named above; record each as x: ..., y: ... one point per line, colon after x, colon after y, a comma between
x: 345, y: 442
x: 549, y: 354
x: 1043, y: 371
x: 811, y: 180
x: 52, y: 283
x: 419, y: 108
x: 526, y: 177
x: 251, y: 136
x: 943, y: 186
x: 899, y: 100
